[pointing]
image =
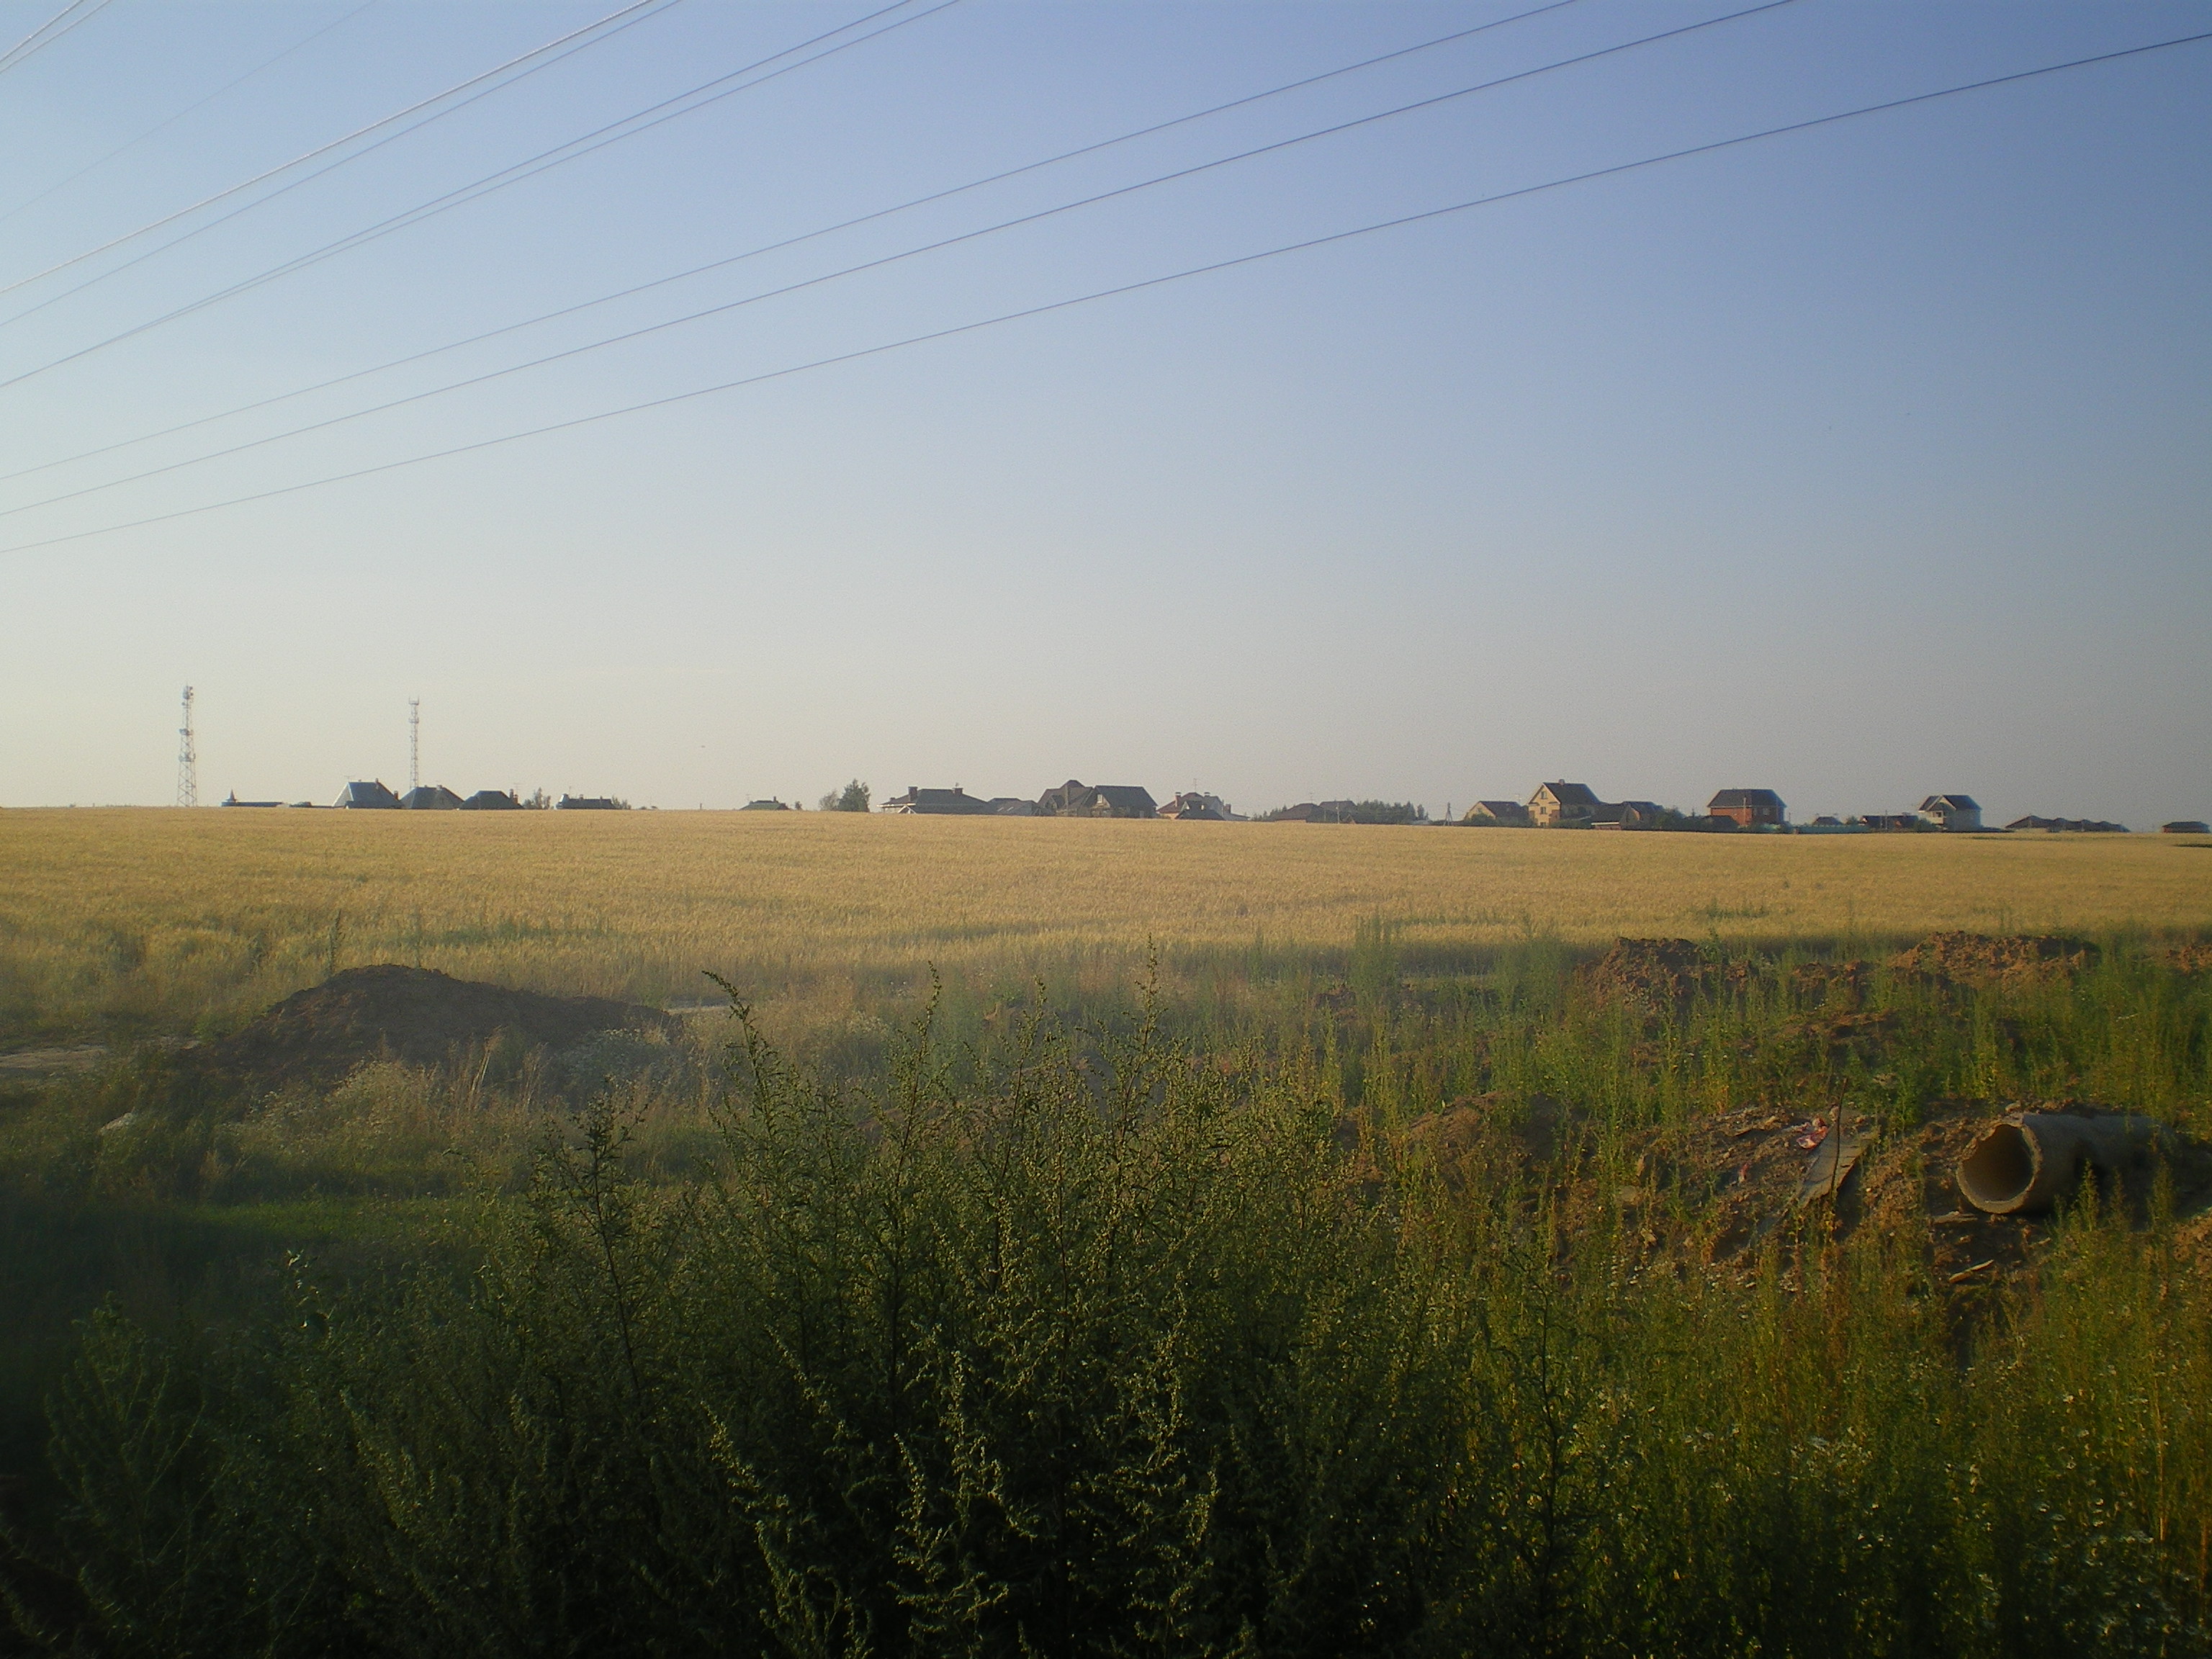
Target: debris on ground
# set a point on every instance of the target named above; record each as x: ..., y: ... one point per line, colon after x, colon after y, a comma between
x: 35, y: 1065
x: 1978, y: 958
x: 1717, y: 1189
x: 416, y: 1015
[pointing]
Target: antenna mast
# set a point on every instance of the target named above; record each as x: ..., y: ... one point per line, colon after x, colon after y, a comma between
x: 414, y: 742
x: 188, y: 762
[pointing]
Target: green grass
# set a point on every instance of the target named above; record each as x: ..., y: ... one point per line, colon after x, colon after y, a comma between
x: 1118, y: 1323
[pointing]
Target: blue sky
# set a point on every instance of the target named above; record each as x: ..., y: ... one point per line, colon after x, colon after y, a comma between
x: 1859, y: 463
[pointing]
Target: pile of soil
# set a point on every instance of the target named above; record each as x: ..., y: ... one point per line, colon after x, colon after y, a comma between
x: 2195, y: 958
x: 1978, y: 958
x: 1652, y: 974
x: 1838, y: 986
x: 417, y: 1015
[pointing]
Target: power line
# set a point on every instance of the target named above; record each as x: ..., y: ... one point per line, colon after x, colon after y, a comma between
x: 266, y: 63
x: 453, y: 197
x: 894, y: 258
x: 788, y: 243
x: 574, y: 35
x: 1139, y: 286
x: 46, y: 33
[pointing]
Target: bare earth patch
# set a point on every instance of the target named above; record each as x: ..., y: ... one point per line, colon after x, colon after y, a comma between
x: 416, y: 1015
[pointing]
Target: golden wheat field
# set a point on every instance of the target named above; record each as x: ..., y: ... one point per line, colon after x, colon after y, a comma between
x: 143, y: 917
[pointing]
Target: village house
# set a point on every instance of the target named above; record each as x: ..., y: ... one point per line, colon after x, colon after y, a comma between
x: 1195, y: 807
x: 431, y: 797
x: 372, y: 795
x: 955, y: 802
x: 1508, y: 813
x: 1752, y: 808
x: 1953, y: 811
x: 1628, y: 815
x: 1074, y: 799
x: 1561, y: 805
x: 2074, y: 826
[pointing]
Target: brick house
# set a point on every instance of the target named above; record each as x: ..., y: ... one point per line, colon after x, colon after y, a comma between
x: 1752, y: 808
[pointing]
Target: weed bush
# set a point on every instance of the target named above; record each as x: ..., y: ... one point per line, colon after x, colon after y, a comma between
x: 1101, y: 1345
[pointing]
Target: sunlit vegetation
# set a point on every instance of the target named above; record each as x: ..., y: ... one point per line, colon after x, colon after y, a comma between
x: 1287, y: 1241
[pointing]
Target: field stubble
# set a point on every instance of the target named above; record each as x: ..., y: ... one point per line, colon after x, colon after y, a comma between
x: 135, y: 921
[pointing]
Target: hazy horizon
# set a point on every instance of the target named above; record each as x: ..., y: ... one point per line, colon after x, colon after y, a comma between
x: 1862, y: 463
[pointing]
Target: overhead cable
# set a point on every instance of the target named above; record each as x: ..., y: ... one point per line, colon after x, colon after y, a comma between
x: 267, y: 63
x: 49, y: 32
x: 596, y: 31
x: 788, y: 242
x: 453, y: 197
x: 909, y: 253
x: 1141, y: 285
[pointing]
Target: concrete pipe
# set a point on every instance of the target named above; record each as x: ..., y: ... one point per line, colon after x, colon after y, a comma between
x: 2025, y: 1164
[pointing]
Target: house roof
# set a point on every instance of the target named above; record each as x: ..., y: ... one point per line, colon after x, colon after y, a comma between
x: 491, y: 800
x: 1950, y: 803
x: 372, y: 793
x: 1191, y: 804
x: 1728, y: 799
x: 1128, y: 797
x: 430, y: 798
x: 1572, y: 794
x: 954, y: 800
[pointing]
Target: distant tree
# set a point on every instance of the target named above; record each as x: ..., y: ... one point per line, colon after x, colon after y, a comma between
x: 538, y: 800
x: 853, y: 797
x: 1385, y: 812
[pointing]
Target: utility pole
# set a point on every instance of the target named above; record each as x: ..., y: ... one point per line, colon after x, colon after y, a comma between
x: 188, y: 763
x: 414, y: 742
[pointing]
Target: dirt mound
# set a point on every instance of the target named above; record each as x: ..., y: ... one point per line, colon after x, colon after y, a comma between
x: 1978, y: 958
x: 1840, y: 987
x: 414, y: 1014
x: 1648, y: 973
x: 2195, y: 958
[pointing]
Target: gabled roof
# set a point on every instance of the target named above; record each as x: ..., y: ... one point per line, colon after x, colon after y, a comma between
x: 1728, y: 799
x: 954, y: 801
x: 1193, y: 804
x: 1572, y: 794
x: 1126, y: 798
x: 1950, y: 803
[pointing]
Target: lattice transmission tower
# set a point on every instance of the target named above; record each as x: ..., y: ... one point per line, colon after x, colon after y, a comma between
x: 188, y: 762
x: 414, y: 742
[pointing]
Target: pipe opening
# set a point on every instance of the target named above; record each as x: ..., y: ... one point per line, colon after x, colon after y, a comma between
x: 1998, y: 1169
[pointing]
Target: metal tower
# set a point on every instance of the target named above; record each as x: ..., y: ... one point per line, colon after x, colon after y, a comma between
x: 188, y: 763
x: 414, y: 742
